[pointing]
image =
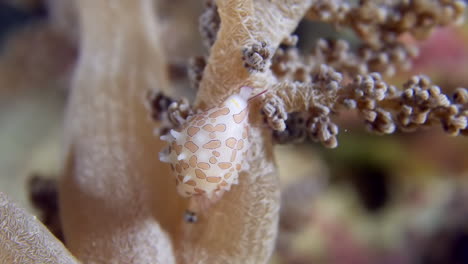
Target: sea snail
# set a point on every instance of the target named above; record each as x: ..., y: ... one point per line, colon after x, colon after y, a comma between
x: 207, y: 153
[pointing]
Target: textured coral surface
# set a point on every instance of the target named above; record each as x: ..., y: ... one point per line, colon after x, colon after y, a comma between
x: 23, y: 239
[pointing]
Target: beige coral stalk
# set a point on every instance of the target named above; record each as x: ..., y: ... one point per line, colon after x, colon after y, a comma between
x: 117, y: 202
x: 243, y: 24
x: 242, y: 226
x: 23, y: 239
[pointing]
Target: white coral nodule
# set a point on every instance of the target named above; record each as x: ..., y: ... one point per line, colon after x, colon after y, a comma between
x: 207, y: 154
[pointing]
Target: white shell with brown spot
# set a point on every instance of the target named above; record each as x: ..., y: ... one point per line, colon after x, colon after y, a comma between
x: 207, y: 154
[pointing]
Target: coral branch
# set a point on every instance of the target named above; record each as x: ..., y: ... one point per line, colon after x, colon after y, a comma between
x: 384, y: 107
x: 114, y: 193
x: 380, y: 22
x: 418, y: 104
x: 317, y: 98
x: 247, y: 215
x: 290, y: 64
x: 244, y: 23
x: 23, y: 239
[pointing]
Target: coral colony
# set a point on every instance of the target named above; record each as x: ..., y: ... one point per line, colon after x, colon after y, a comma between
x: 120, y: 204
x: 314, y: 86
